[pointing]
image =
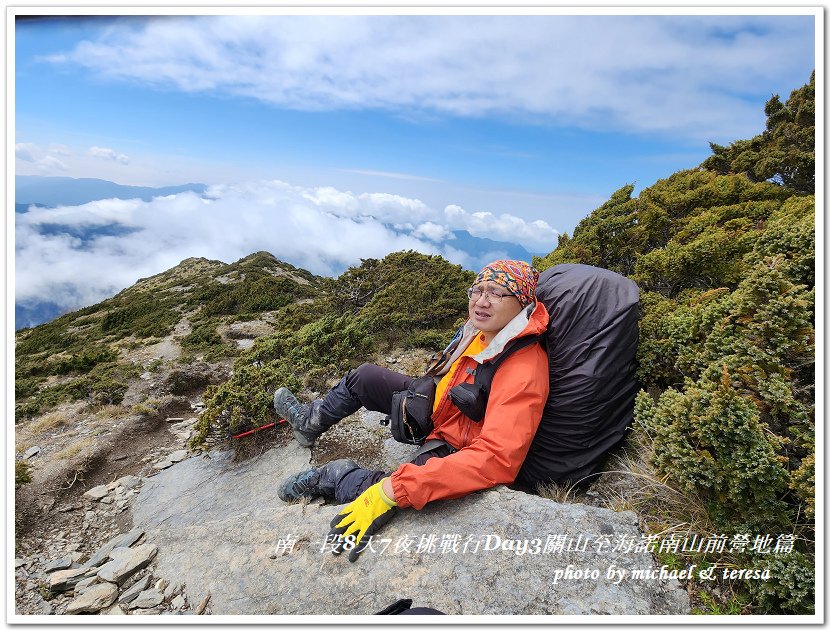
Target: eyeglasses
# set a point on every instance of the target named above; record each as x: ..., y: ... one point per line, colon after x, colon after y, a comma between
x: 475, y: 293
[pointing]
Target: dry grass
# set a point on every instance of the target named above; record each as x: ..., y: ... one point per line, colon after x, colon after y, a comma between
x: 48, y: 422
x: 565, y: 493
x: 661, y: 507
x: 110, y: 412
x: 75, y: 448
x: 629, y: 483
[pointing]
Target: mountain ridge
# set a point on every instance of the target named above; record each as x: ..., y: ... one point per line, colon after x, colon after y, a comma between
x: 71, y: 191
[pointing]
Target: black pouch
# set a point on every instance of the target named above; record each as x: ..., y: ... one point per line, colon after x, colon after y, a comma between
x: 471, y: 400
x: 410, y: 418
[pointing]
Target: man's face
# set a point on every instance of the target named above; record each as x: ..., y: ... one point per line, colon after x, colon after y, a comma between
x: 490, y: 314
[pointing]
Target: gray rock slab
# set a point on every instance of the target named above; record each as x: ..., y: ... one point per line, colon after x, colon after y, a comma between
x: 177, y: 456
x: 128, y: 481
x: 147, y: 599
x: 131, y: 593
x: 119, y: 570
x: 67, y: 579
x: 218, y: 523
x: 97, y: 493
x: 126, y: 539
x: 58, y: 565
x: 93, y: 599
x: 85, y: 584
x: 172, y: 589
x: 119, y: 552
x: 31, y: 452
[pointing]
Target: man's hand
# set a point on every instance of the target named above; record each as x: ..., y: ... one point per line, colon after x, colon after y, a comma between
x: 362, y: 518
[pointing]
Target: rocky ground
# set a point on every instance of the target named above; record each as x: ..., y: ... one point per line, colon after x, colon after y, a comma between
x: 81, y: 555
x: 76, y: 549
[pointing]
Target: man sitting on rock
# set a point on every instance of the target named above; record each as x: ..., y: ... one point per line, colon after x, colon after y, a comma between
x: 460, y: 456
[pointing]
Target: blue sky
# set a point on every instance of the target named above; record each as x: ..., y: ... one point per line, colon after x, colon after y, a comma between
x: 512, y: 127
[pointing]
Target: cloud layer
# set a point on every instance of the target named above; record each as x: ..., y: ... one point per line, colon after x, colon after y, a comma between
x: 109, y: 154
x: 44, y: 161
x: 79, y: 255
x: 687, y: 75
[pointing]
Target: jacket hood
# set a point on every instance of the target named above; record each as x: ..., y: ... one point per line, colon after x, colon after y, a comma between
x: 531, y: 320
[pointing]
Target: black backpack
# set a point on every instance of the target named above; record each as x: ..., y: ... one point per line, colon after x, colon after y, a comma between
x: 591, y: 343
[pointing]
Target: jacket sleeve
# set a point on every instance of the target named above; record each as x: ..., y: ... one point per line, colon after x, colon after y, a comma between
x: 514, y: 410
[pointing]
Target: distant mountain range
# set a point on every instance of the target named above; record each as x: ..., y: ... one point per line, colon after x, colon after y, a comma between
x: 67, y: 191
x: 51, y: 192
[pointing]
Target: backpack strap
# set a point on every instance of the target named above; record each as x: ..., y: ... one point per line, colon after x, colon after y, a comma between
x: 471, y: 398
x: 484, y: 372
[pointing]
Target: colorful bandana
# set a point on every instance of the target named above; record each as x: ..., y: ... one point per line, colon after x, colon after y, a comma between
x: 514, y: 275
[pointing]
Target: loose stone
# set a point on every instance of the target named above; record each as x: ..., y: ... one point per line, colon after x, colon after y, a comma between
x: 58, y: 565
x: 124, y: 540
x: 147, y: 599
x: 97, y: 493
x: 66, y: 580
x: 31, y: 452
x: 118, y: 571
x: 131, y: 593
x: 177, y: 456
x: 93, y: 599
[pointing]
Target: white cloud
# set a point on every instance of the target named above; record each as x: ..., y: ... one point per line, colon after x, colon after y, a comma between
x: 323, y: 230
x: 535, y: 235
x: 433, y: 232
x: 60, y: 149
x: 50, y: 164
x: 36, y: 160
x: 394, y: 208
x: 26, y: 151
x: 687, y: 75
x: 109, y: 154
x: 390, y: 175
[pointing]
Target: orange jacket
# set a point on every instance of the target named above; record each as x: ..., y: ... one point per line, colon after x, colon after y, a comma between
x: 492, y: 451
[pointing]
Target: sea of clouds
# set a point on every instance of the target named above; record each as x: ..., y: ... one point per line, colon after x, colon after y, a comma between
x: 79, y: 255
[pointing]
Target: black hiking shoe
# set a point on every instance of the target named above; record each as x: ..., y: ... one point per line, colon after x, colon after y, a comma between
x: 315, y: 482
x: 298, y: 415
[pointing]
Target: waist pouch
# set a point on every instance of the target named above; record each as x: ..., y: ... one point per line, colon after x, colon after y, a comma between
x: 471, y: 400
x: 410, y: 418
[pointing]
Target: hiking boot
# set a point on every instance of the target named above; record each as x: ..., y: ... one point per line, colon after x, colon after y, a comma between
x: 315, y: 482
x: 301, y: 417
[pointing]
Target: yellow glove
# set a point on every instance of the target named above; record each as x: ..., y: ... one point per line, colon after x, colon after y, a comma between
x: 362, y: 518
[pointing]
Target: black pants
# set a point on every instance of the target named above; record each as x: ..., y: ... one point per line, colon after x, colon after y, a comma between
x: 369, y: 386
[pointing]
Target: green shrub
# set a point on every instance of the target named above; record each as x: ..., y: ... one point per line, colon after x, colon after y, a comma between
x: 311, y: 356
x: 81, y: 362
x: 429, y: 339
x: 202, y: 336
x: 22, y: 473
x: 253, y: 294
x: 403, y: 293
x: 791, y: 586
x: 709, y: 440
x: 140, y: 316
x: 105, y: 384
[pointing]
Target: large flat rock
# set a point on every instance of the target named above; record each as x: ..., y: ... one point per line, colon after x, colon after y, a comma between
x: 220, y: 527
